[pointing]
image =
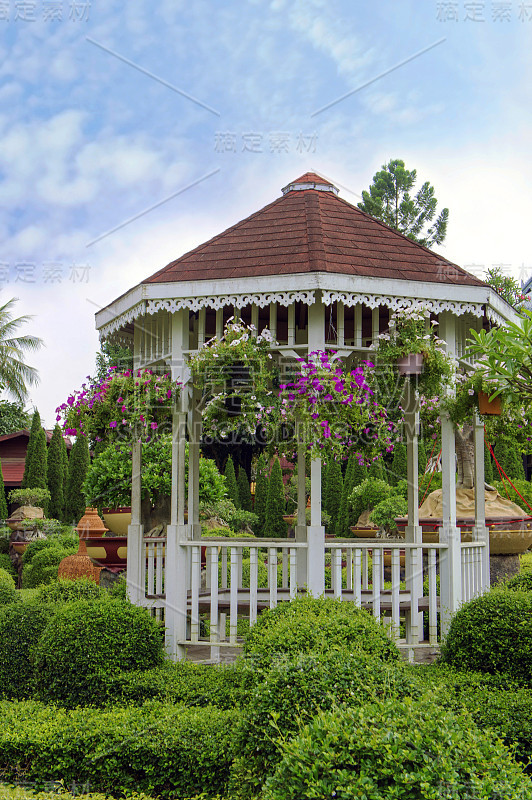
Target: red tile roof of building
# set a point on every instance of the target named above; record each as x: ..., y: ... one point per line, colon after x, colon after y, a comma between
x: 312, y: 230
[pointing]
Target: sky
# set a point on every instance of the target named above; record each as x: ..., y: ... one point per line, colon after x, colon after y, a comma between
x: 132, y: 132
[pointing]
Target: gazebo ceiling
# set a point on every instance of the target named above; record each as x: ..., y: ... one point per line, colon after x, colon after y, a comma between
x: 310, y: 229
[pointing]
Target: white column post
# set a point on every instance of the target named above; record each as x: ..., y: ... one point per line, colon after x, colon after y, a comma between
x: 413, y: 556
x: 176, y: 577
x: 301, y: 522
x: 135, y: 547
x: 194, y: 436
x: 451, y: 557
x: 316, y: 531
x: 480, y: 531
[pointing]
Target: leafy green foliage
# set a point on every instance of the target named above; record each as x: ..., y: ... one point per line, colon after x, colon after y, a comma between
x: 13, y: 418
x: 509, y: 458
x: 244, y: 491
x: 506, y: 286
x: 488, y: 465
x: 7, y: 566
x: 8, y: 593
x: 56, y: 476
x: 30, y: 497
x: 385, y: 512
x: 395, y: 749
x: 89, y: 640
x: 78, y: 465
x: 521, y: 582
x: 21, y: 624
x: 275, y: 526
x: 360, y: 472
x: 230, y: 482
x: 112, y: 355
x: 261, y: 493
x: 35, y: 469
x: 15, y: 374
x: 292, y: 691
x: 334, y: 489
x: 41, y: 560
x: 493, y: 633
x: 389, y: 200
x: 163, y: 749
x: 309, y: 624
x: 343, y: 516
x: 367, y: 495
x: 421, y: 456
x: 3, y: 501
x: 66, y: 591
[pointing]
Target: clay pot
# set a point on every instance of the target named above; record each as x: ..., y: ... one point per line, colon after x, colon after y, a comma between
x: 485, y: 406
x: 117, y: 519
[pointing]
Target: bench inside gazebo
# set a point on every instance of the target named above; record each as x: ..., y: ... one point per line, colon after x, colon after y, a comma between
x: 319, y: 274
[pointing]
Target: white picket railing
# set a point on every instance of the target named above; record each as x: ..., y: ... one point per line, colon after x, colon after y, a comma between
x: 238, y: 578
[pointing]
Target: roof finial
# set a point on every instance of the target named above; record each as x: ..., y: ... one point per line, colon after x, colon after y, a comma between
x: 310, y: 180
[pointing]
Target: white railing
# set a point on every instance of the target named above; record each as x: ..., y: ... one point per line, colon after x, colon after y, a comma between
x: 471, y: 568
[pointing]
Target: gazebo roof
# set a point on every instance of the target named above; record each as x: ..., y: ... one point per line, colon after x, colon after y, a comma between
x: 307, y: 244
x: 310, y: 229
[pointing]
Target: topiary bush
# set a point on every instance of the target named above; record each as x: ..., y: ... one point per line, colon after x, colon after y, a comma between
x: 6, y: 579
x: 493, y: 633
x: 90, y: 640
x: 392, y: 748
x: 66, y: 591
x: 7, y: 565
x: 21, y: 624
x: 44, y: 563
x: 309, y: 624
x: 8, y: 593
x: 292, y: 692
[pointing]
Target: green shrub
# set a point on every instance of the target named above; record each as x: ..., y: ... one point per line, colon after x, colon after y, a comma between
x: 164, y: 750
x: 231, y: 485
x: 8, y: 593
x: 509, y: 456
x: 90, y: 640
x: 65, y: 591
x: 367, y: 495
x: 6, y: 579
x: 293, y: 690
x: 521, y: 582
x: 493, y: 633
x: 78, y: 464
x: 7, y: 566
x: 44, y: 564
x: 309, y: 624
x: 395, y: 749
x: 385, y: 512
x: 428, y: 483
x: 21, y: 625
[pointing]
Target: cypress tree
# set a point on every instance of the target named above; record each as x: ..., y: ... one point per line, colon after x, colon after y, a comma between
x: 509, y: 457
x: 230, y: 482
x: 325, y: 467
x: 56, y: 474
x: 342, y: 520
x: 334, y: 490
x: 488, y: 465
x: 78, y: 465
x: 398, y: 469
x: 422, y: 457
x: 261, y: 492
x: 3, y: 501
x: 64, y: 459
x: 275, y: 526
x: 360, y: 473
x: 244, y: 491
x: 35, y: 466
x: 376, y: 470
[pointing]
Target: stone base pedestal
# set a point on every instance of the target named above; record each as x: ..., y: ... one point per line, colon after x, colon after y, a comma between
x: 503, y: 567
x: 108, y: 578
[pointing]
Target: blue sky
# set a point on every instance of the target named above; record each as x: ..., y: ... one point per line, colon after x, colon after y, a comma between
x: 224, y: 118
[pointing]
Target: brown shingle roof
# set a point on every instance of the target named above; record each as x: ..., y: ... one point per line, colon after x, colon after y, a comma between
x: 312, y: 230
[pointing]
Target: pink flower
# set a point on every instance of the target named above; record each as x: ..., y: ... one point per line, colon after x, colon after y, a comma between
x: 113, y: 424
x: 153, y: 426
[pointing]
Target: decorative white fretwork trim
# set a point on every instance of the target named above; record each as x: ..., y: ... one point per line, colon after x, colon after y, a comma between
x: 121, y: 338
x: 494, y: 316
x: 128, y: 316
x: 396, y: 303
x: 238, y: 300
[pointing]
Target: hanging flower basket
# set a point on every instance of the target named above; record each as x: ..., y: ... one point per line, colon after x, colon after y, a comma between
x: 411, y: 364
x: 487, y: 406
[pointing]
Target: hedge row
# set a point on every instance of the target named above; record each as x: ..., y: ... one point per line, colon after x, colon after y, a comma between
x: 164, y: 750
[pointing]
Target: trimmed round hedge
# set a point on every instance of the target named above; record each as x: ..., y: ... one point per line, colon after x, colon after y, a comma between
x: 493, y: 633
x: 90, y: 640
x: 66, y: 591
x: 522, y: 582
x: 309, y: 624
x: 6, y: 579
x: 21, y: 624
x: 293, y: 690
x: 412, y: 750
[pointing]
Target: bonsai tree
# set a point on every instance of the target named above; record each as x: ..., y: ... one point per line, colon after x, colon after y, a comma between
x: 30, y: 497
x: 385, y: 512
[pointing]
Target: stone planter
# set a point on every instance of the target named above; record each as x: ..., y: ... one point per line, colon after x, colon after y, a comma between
x: 507, y: 536
x: 117, y: 519
x: 19, y: 519
x: 364, y: 533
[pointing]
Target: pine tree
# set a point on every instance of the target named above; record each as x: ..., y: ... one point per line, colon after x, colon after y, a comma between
x: 29, y: 468
x: 56, y: 474
x: 334, y: 490
x: 275, y: 526
x: 509, y: 457
x: 230, y: 482
x: 3, y: 502
x: 488, y: 465
x: 77, y: 471
x: 342, y: 520
x: 244, y: 491
x: 398, y: 469
x: 261, y: 493
x: 64, y: 460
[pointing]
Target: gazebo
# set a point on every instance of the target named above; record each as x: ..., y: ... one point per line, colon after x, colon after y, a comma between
x: 319, y: 273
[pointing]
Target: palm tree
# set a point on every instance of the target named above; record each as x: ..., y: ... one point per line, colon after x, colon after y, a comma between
x: 15, y: 374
